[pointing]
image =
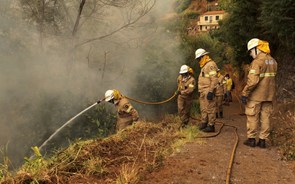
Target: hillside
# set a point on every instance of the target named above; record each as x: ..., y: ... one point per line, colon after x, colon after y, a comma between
x: 124, y: 157
x: 158, y: 151
x: 151, y: 152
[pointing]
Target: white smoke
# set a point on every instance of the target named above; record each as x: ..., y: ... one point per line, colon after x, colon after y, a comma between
x: 43, y: 87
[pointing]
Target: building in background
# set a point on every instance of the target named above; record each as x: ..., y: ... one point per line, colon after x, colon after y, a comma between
x: 209, y: 20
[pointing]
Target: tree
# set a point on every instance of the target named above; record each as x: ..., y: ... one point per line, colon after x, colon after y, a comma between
x: 45, y: 94
x: 278, y: 22
x: 46, y: 14
x: 56, y: 17
x: 240, y: 25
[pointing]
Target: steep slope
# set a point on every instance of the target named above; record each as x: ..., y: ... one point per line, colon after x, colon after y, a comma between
x: 155, y: 153
x: 123, y: 157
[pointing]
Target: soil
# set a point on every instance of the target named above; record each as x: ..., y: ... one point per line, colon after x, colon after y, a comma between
x: 207, y: 160
x: 135, y: 156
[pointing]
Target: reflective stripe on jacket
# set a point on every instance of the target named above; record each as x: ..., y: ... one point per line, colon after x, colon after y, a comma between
x: 261, y: 78
x: 126, y: 111
x: 208, y: 77
x: 186, y: 85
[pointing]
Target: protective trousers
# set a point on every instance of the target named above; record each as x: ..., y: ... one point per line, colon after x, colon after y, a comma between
x: 208, y: 108
x: 219, y: 101
x: 184, y: 106
x: 258, y: 113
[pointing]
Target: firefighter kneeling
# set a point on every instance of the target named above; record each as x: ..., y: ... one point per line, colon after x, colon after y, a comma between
x: 126, y: 114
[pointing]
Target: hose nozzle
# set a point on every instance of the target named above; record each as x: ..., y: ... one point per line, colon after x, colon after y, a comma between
x: 101, y: 100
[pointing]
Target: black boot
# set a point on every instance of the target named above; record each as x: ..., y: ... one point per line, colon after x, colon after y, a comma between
x: 202, y: 126
x: 210, y: 128
x: 216, y: 114
x: 221, y: 114
x: 250, y: 142
x: 261, y: 143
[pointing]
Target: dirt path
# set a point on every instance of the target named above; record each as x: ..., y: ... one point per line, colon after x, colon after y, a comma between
x: 206, y: 160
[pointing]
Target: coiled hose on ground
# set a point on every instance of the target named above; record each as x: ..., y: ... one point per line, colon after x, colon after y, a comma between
x: 229, y: 169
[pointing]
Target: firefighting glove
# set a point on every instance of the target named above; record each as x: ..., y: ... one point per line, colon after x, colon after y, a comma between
x: 135, y: 120
x: 112, y: 101
x: 244, y: 99
x: 210, y: 96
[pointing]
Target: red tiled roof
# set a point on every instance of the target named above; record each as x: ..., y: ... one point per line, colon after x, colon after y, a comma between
x: 214, y: 12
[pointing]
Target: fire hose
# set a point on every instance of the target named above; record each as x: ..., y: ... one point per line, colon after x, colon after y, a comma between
x: 153, y: 103
x: 158, y: 103
x: 229, y: 169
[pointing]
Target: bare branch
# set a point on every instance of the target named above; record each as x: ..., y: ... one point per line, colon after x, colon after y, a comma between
x: 94, y: 10
x: 130, y: 22
x: 62, y: 2
x: 115, y: 3
x: 78, y: 17
x: 35, y: 12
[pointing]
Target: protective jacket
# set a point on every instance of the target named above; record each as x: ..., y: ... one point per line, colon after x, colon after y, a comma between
x: 126, y: 114
x: 208, y: 80
x: 221, y: 87
x: 186, y: 86
x: 261, y: 79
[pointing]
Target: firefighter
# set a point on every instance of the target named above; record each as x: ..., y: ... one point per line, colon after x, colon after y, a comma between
x: 126, y: 114
x: 229, y: 84
x: 220, y: 91
x: 258, y: 93
x: 207, y: 83
x: 186, y: 85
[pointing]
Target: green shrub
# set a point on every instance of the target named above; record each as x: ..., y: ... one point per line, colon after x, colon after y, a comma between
x: 182, y: 5
x: 191, y: 14
x: 195, y: 109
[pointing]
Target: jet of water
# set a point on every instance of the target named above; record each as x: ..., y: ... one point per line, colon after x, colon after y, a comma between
x: 68, y: 122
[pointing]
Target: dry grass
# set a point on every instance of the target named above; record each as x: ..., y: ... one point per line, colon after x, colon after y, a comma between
x: 283, y: 133
x: 121, y: 158
x: 128, y: 174
x: 4, y: 165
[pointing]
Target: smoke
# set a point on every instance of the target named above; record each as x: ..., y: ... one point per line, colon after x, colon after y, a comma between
x: 45, y: 83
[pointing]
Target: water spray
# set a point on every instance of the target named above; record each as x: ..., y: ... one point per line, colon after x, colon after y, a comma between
x: 68, y: 122
x: 98, y: 102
